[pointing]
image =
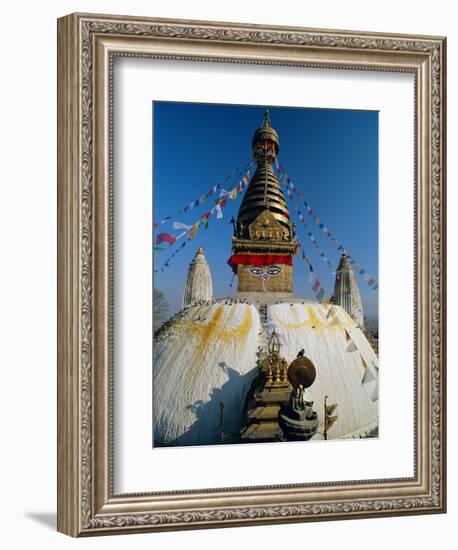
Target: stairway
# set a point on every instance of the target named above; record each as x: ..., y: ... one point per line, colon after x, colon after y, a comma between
x: 263, y: 340
x: 264, y: 400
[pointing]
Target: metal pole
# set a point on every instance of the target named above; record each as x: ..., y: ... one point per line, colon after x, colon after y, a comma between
x: 221, y: 419
x: 325, y: 419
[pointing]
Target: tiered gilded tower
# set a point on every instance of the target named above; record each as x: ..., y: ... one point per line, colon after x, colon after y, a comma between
x: 199, y: 286
x: 346, y: 291
x: 264, y: 243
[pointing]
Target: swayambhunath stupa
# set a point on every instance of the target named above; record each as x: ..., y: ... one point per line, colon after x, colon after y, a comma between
x: 264, y: 365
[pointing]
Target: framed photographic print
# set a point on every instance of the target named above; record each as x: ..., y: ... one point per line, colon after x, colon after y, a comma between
x: 251, y: 274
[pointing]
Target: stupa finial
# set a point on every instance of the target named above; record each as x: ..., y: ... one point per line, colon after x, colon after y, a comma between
x: 266, y: 121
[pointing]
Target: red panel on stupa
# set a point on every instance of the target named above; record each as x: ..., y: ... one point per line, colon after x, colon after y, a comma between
x: 259, y: 259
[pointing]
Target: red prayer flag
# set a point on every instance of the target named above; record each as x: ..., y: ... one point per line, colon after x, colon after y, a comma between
x: 316, y: 286
x: 165, y: 237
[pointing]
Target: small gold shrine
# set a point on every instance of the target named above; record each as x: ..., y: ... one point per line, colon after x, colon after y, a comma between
x: 269, y: 391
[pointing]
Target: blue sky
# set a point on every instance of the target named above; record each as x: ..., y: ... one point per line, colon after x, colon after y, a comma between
x: 330, y: 155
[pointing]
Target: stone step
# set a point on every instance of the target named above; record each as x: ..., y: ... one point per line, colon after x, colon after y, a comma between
x: 266, y: 431
x: 264, y: 413
x: 274, y: 396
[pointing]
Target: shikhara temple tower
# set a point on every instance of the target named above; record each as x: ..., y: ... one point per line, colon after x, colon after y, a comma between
x: 264, y: 244
x: 346, y: 291
x: 199, y: 286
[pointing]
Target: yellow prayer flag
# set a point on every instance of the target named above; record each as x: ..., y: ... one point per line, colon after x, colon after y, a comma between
x: 193, y: 230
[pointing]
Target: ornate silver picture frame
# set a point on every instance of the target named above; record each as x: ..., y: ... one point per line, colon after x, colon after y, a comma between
x: 87, y: 47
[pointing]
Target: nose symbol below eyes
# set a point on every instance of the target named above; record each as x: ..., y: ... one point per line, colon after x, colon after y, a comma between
x: 265, y: 275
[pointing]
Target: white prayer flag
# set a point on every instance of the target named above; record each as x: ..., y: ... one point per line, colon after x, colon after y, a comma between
x: 368, y: 377
x: 219, y: 212
x: 351, y: 347
x: 179, y: 225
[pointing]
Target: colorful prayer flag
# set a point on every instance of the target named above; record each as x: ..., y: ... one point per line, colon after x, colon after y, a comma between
x: 219, y: 212
x: 165, y: 237
x: 192, y: 232
x: 179, y: 225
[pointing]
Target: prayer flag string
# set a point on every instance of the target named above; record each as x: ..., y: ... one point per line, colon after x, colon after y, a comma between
x: 290, y: 188
x: 315, y: 283
x: 212, y: 191
x: 304, y: 223
x: 191, y: 230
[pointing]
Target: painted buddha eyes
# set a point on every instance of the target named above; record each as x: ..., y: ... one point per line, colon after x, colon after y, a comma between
x: 265, y: 273
x: 273, y: 270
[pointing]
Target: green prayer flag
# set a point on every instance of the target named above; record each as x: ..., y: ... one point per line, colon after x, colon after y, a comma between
x: 320, y: 294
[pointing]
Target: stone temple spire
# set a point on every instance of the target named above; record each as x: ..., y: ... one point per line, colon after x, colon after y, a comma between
x: 199, y: 282
x: 346, y: 291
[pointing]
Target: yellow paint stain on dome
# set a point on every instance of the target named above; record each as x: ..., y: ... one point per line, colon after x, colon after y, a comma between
x: 290, y: 326
x: 316, y: 319
x: 196, y: 312
x: 213, y: 332
x: 192, y: 321
x: 350, y: 321
x: 231, y: 314
x: 334, y: 319
x: 242, y: 330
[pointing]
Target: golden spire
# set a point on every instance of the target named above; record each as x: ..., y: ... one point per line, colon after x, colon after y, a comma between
x: 264, y: 191
x: 263, y: 244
